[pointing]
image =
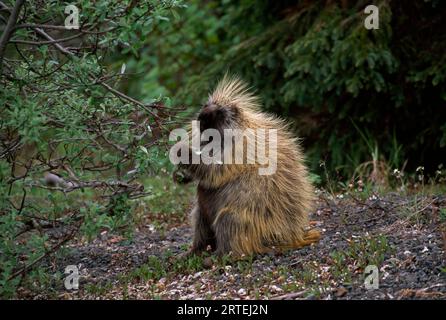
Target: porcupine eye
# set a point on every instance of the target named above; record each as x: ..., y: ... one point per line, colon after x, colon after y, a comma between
x: 211, y: 116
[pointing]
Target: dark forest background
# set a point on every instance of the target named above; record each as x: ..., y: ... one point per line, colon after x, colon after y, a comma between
x: 352, y: 93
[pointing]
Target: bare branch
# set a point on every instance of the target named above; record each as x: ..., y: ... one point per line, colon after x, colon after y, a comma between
x: 42, y: 26
x: 7, y: 33
x: 291, y: 296
x: 53, y: 249
x: 72, y: 186
x: 38, y: 43
x: 53, y: 41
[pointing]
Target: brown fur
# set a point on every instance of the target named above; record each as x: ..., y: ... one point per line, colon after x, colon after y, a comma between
x: 237, y: 209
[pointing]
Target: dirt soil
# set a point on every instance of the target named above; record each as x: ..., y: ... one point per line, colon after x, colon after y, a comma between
x: 404, y: 236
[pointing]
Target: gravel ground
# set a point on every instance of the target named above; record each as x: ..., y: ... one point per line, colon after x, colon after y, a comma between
x: 405, y: 237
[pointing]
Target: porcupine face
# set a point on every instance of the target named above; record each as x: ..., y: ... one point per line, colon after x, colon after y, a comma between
x: 214, y: 116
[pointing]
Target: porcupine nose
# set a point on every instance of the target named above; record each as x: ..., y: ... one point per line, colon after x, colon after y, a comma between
x: 208, y: 116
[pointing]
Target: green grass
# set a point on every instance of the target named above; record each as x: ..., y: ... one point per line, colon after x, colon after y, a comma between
x: 159, y: 267
x: 442, y: 215
x: 168, y: 204
x: 154, y: 269
x: 98, y: 289
x: 168, y: 197
x: 345, y: 268
x: 359, y: 254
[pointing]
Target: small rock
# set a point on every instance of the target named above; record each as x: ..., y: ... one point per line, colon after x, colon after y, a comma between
x: 340, y: 292
x: 207, y: 263
x: 275, y: 289
x: 242, y: 292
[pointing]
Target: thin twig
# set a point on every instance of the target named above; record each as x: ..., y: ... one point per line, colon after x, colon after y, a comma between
x: 42, y: 26
x: 289, y: 296
x: 46, y: 254
x: 7, y: 33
